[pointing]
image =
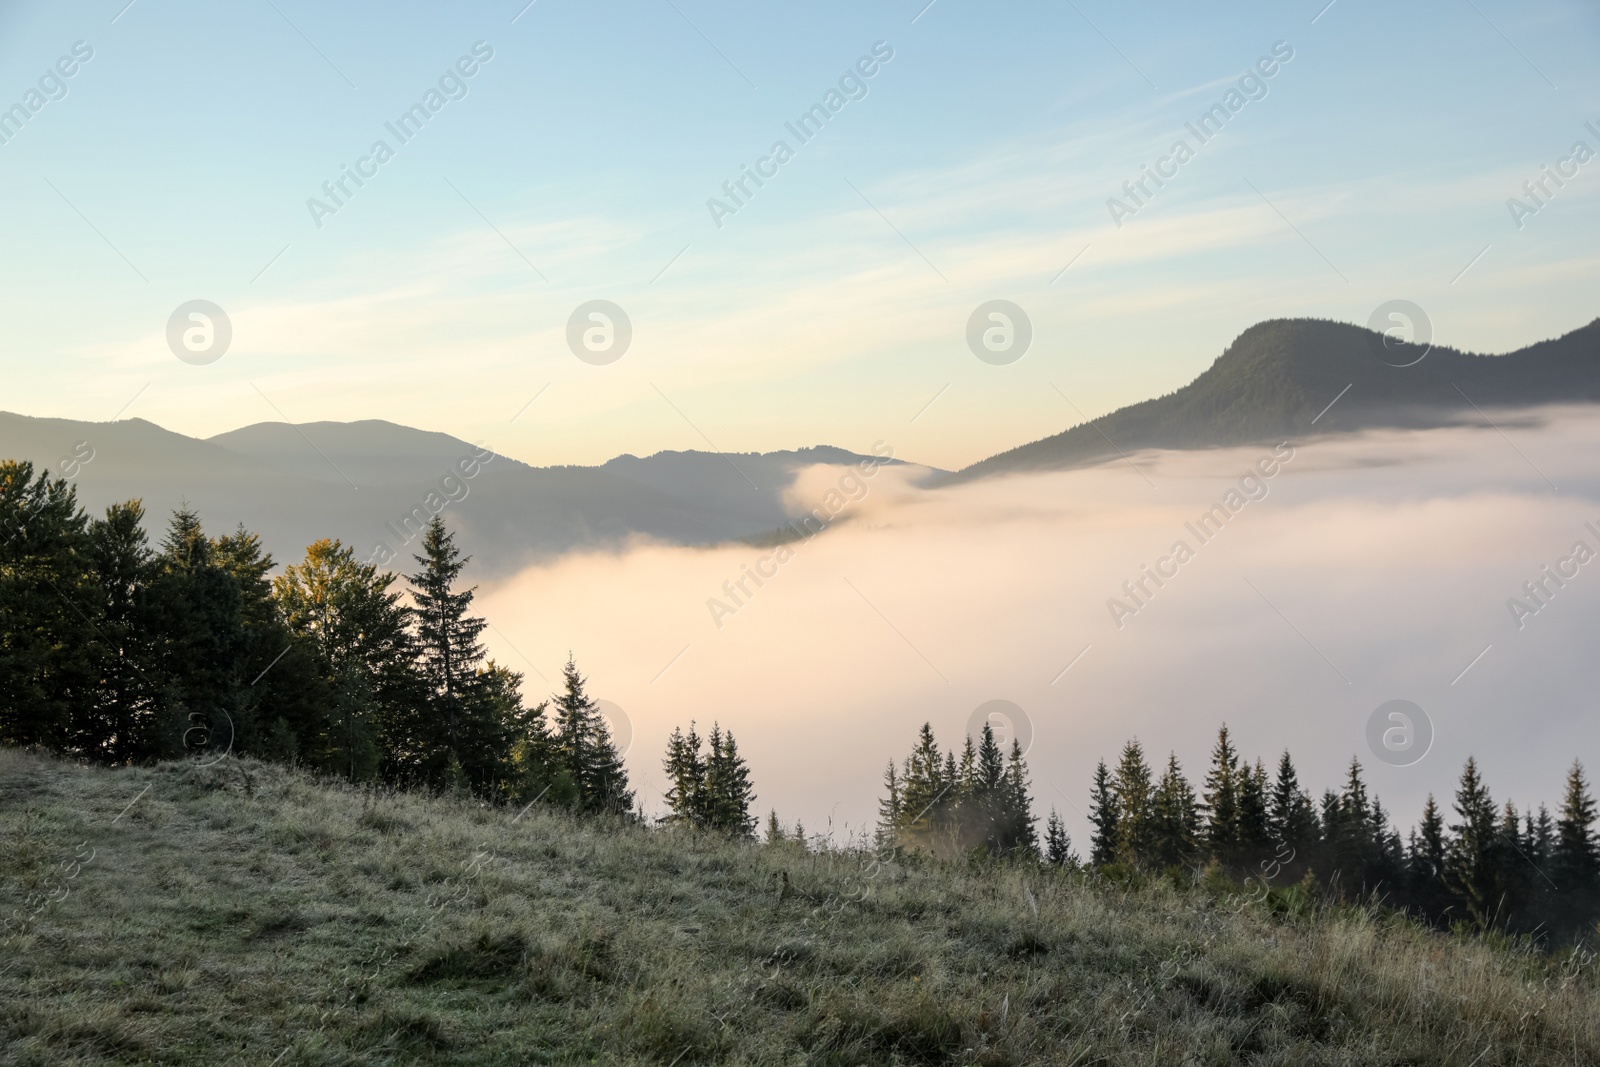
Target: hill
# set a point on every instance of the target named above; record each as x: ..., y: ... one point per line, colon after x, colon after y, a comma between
x: 1279, y: 375
x: 245, y: 913
x: 362, y: 481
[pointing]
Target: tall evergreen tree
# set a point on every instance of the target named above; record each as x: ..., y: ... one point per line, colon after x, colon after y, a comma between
x: 1012, y: 830
x: 1132, y: 789
x: 728, y: 791
x: 1292, y: 818
x: 1575, y: 852
x: 1474, y: 868
x: 47, y: 604
x: 1057, y: 843
x: 449, y: 655
x: 1221, y: 798
x: 1104, y: 817
x: 1174, y: 819
x: 583, y: 749
x: 121, y: 722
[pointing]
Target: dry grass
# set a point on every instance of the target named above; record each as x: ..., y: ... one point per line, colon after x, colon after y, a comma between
x: 246, y: 914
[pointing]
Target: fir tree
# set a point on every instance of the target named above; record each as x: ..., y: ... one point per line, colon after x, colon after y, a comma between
x: 1292, y: 818
x: 1132, y: 789
x: 1104, y: 817
x: 1014, y: 830
x: 1174, y: 819
x: 1057, y: 844
x: 1575, y: 852
x: 1474, y: 865
x: 1221, y: 798
x: 583, y: 749
x: 686, y: 778
x: 728, y: 791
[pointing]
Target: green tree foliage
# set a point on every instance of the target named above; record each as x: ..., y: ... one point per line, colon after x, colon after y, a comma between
x: 582, y: 750
x: 710, y: 790
x: 947, y: 806
x: 1104, y: 817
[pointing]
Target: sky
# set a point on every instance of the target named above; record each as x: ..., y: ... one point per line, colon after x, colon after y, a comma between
x: 831, y: 303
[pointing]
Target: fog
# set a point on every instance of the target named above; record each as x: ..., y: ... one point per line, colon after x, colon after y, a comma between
x: 1363, y: 569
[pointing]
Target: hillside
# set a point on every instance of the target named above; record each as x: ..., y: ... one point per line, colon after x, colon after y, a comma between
x: 360, y: 481
x: 243, y: 913
x: 1279, y: 375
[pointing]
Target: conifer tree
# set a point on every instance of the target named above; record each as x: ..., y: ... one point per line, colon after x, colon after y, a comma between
x: 728, y: 786
x: 1222, y: 801
x: 889, y: 808
x: 1254, y: 827
x: 1132, y: 789
x: 1104, y: 817
x: 121, y: 723
x: 1575, y: 852
x: 686, y: 778
x: 1474, y: 864
x: 1057, y: 843
x: 449, y: 653
x: 1292, y: 818
x: 1174, y: 819
x: 583, y: 749
x: 1013, y: 830
x: 775, y: 832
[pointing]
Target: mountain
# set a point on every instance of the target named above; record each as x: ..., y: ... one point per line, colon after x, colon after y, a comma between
x: 369, y: 484
x: 1279, y: 375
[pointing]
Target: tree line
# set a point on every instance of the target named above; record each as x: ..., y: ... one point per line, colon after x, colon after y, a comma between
x: 115, y: 651
x: 1482, y: 865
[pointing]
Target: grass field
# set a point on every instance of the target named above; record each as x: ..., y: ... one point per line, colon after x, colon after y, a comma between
x: 243, y: 913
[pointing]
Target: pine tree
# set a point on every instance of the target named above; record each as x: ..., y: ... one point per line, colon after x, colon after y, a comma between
x: 728, y: 790
x: 449, y: 653
x: 1132, y: 788
x: 1426, y: 862
x: 121, y: 724
x: 923, y: 787
x: 1104, y: 817
x: 1254, y: 825
x: 1057, y: 844
x: 583, y: 749
x: 1474, y: 865
x: 686, y: 779
x: 47, y: 602
x: 1222, y: 801
x: 890, y: 808
x: 1575, y: 852
x: 1292, y: 818
x: 1014, y: 831
x: 775, y: 832
x: 1174, y: 819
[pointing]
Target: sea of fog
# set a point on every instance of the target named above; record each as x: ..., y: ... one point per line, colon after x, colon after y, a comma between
x: 1349, y: 571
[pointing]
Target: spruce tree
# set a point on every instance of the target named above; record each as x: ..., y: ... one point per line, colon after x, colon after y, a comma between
x: 686, y: 779
x: 728, y: 790
x: 1174, y: 819
x: 1575, y: 852
x: 449, y: 652
x: 775, y: 832
x: 1014, y: 831
x: 1474, y: 865
x: 121, y: 723
x: 889, y: 808
x: 1221, y: 798
x: 583, y: 749
x: 1057, y: 844
x: 1292, y: 817
x: 1104, y: 817
x: 1132, y: 789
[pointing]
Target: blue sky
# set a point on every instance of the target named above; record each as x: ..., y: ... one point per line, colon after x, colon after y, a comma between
x: 832, y: 307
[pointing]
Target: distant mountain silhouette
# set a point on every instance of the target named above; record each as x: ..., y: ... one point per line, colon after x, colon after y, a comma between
x: 368, y: 483
x: 1279, y: 375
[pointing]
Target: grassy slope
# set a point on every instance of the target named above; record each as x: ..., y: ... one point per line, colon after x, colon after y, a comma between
x: 245, y: 914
